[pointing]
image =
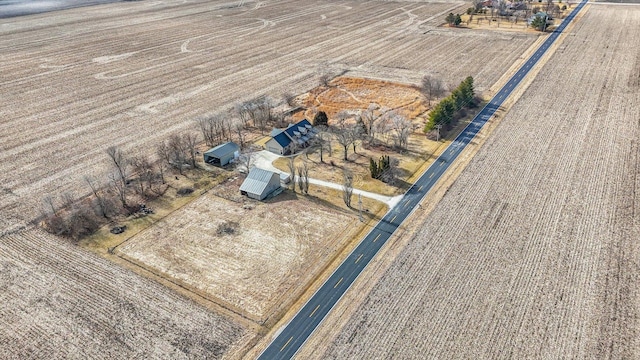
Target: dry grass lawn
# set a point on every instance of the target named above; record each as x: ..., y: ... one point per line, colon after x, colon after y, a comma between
x: 347, y: 93
x: 350, y: 93
x: 274, y: 250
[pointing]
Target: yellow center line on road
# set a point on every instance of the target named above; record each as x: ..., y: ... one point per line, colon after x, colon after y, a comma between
x: 376, y: 239
x: 359, y: 257
x: 314, y: 310
x: 394, y: 218
x: 338, y: 283
x: 287, y: 343
x: 420, y: 188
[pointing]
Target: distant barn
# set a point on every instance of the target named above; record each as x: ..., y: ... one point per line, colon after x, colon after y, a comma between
x: 222, y: 154
x: 260, y: 183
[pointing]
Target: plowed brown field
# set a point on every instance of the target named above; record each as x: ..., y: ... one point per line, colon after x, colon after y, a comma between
x: 130, y: 74
x: 534, y: 251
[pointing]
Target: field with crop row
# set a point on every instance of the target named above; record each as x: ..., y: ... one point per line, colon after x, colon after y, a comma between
x: 58, y: 302
x: 74, y: 85
x: 533, y: 252
x: 132, y: 73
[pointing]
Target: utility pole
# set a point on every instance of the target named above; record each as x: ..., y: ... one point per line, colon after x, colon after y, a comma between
x: 438, y: 127
x: 360, y: 208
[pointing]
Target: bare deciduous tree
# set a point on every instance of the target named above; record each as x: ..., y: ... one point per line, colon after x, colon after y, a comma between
x: 145, y: 170
x: 347, y: 187
x: 401, y: 128
x: 242, y: 109
x: 67, y: 199
x: 382, y: 127
x: 177, y: 151
x: 259, y: 110
x: 80, y: 222
x: 190, y: 141
x: 215, y: 128
x: 238, y: 129
x: 431, y: 88
x: 303, y: 178
x: 369, y: 117
x: 100, y: 199
x: 289, y: 99
x: 120, y: 176
x: 120, y: 161
x: 344, y: 132
x: 357, y: 134
x: 206, y: 128
x: 49, y: 205
x: 292, y: 172
x: 164, y: 153
x: 321, y: 142
x: 324, y: 79
x: 247, y: 157
x: 120, y: 187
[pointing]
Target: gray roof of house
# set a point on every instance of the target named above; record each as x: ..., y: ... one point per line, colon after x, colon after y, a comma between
x: 223, y: 149
x: 256, y: 181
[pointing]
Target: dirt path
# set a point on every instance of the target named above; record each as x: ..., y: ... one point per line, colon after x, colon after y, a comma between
x: 264, y: 160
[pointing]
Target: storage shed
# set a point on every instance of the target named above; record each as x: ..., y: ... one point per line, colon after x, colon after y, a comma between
x: 222, y: 154
x: 260, y: 183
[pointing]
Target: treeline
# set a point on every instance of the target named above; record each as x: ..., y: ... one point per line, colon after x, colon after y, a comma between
x: 444, y: 114
x: 134, y: 180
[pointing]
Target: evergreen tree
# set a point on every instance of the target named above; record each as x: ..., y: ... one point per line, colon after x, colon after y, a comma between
x: 373, y: 168
x: 458, y: 98
x: 539, y: 23
x: 321, y: 119
x: 450, y: 19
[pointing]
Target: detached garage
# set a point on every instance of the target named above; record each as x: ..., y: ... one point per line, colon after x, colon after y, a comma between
x: 222, y: 154
x: 260, y: 183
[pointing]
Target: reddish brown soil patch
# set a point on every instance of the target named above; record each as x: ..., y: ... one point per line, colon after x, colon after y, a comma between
x: 351, y: 94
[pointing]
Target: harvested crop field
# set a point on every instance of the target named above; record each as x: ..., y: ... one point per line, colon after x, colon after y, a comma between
x: 130, y: 74
x: 533, y: 252
x: 270, y: 252
x: 58, y: 302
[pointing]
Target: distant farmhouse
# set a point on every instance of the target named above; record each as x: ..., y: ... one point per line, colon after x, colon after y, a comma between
x: 222, y: 154
x: 287, y: 141
x: 260, y: 183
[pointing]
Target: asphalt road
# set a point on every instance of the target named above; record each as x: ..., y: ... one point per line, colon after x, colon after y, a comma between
x: 296, y: 332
